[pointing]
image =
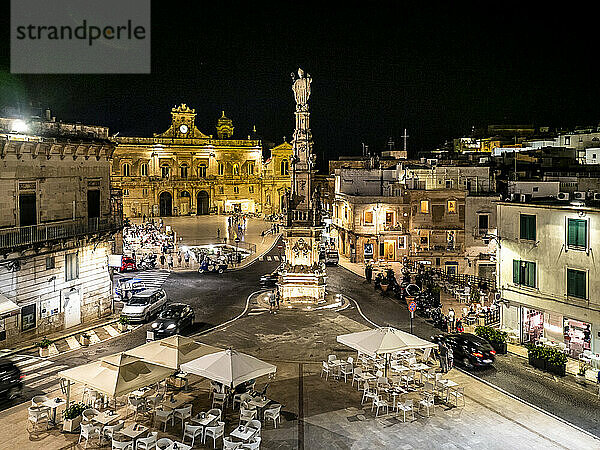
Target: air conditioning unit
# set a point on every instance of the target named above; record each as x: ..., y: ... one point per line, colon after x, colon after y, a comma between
x: 563, y: 196
x: 597, y: 196
x: 515, y: 197
x: 524, y: 198
x: 579, y: 195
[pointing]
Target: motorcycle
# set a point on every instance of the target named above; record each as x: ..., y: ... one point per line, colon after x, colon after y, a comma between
x: 148, y: 262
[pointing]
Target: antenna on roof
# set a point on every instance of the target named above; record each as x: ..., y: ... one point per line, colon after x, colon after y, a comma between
x: 404, y: 137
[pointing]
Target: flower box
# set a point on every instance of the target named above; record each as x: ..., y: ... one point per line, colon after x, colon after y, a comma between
x: 71, y: 425
x: 538, y: 363
x: 84, y: 340
x: 44, y: 351
x: 557, y: 369
x: 500, y: 347
x: 122, y: 327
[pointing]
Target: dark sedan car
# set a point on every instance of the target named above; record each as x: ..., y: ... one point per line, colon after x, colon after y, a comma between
x: 468, y: 349
x: 174, y: 319
x: 11, y: 379
x: 270, y: 279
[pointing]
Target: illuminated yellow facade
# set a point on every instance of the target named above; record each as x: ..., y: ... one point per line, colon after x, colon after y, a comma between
x: 184, y: 171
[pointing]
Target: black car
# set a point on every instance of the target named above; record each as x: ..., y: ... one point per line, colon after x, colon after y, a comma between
x: 11, y: 380
x: 270, y: 279
x: 173, y: 319
x: 469, y: 350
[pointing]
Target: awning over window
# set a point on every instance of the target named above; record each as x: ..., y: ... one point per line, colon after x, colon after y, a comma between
x: 7, y: 306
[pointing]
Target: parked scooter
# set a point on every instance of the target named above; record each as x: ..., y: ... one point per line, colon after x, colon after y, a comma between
x: 148, y: 262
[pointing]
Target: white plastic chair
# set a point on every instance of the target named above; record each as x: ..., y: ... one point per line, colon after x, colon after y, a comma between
x: 367, y: 393
x: 37, y: 400
x: 458, y: 393
x: 215, y: 412
x: 345, y: 370
x: 379, y: 403
x: 214, y: 432
x: 218, y: 400
x: 192, y: 431
x: 163, y: 443
x: 427, y: 402
x: 137, y: 405
x: 163, y: 416
x: 239, y: 398
x: 88, y: 431
x: 90, y: 413
x: 182, y: 413
x: 122, y: 445
x: 252, y: 445
x: 37, y: 415
x: 404, y: 407
x: 247, y: 414
x: 325, y: 370
x: 357, y: 376
x: 273, y: 413
x: 257, y: 426
x: 108, y: 431
x: 228, y: 444
x: 331, y: 358
x: 147, y: 443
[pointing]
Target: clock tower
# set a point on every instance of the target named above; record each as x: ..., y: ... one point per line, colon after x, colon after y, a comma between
x: 183, y: 124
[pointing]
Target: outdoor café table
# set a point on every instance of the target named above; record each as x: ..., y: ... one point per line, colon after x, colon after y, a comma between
x: 419, y: 367
x: 131, y: 433
x: 178, y: 446
x: 178, y: 401
x: 204, y: 421
x: 106, y: 417
x: 53, y: 404
x: 142, y: 392
x: 447, y: 384
x: 259, y: 402
x: 395, y: 392
x: 243, y: 433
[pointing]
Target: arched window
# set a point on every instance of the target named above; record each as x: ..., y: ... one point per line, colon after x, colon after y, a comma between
x: 220, y: 189
x: 221, y: 169
x: 236, y: 169
x: 125, y: 169
x: 144, y: 169
x: 250, y: 167
x: 184, y: 194
x: 202, y: 171
x: 183, y: 171
x: 285, y: 167
x: 164, y: 170
x: 236, y: 190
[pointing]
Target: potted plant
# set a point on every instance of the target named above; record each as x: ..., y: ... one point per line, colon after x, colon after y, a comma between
x: 123, y: 324
x: 72, y: 417
x: 535, y: 356
x: 496, y: 338
x: 84, y: 339
x: 44, y: 347
x: 556, y: 362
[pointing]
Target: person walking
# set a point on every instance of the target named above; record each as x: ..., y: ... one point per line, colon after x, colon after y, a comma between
x: 277, y: 298
x: 450, y: 358
x: 162, y: 260
x: 218, y: 233
x: 368, y: 273
x: 179, y: 258
x: 186, y: 257
x: 451, y: 319
x: 271, y: 304
x: 443, y: 356
x: 170, y: 261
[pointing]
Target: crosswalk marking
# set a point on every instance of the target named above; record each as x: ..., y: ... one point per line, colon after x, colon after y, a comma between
x: 72, y: 342
x: 43, y: 381
x: 110, y: 330
x: 29, y: 360
x: 36, y: 366
x: 94, y: 339
x: 270, y: 258
x: 150, y: 278
x: 43, y: 372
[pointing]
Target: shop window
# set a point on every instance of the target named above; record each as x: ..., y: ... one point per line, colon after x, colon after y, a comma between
x: 368, y: 217
x: 452, y: 206
x: 576, y: 283
x: 50, y: 263
x: 144, y: 169
x: 389, y: 219
x: 71, y: 266
x: 424, y: 206
x: 451, y: 267
x: 125, y: 170
x: 202, y: 171
x: 483, y: 222
x: 577, y: 234
x: 527, y: 227
x: 524, y: 273
x: 28, y: 317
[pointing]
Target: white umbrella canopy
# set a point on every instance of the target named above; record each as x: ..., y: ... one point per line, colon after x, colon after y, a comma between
x: 117, y: 375
x: 172, y: 351
x: 228, y: 367
x: 380, y: 341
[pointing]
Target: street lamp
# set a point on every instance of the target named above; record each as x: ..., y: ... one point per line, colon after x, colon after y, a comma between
x: 237, y: 240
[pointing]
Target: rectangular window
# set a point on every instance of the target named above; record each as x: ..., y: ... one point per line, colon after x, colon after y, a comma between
x: 424, y: 206
x: 389, y: 218
x: 28, y: 317
x: 401, y: 242
x: 144, y: 170
x: 576, y: 283
x: 71, y: 266
x: 368, y: 217
x: 448, y: 184
x: 577, y: 234
x: 483, y: 221
x: 164, y: 171
x: 524, y: 273
x: 251, y: 189
x: 251, y: 168
x: 50, y: 262
x: 527, y: 227
x: 202, y: 171
x: 221, y: 169
x: 452, y: 206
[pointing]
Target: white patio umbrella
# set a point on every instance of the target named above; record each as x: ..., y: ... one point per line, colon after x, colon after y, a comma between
x: 116, y: 375
x: 228, y: 367
x: 383, y: 341
x: 172, y: 351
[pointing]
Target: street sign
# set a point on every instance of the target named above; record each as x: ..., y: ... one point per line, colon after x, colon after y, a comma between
x: 412, y: 306
x: 279, y: 246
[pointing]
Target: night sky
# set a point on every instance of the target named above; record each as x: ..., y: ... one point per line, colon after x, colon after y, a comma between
x: 376, y: 70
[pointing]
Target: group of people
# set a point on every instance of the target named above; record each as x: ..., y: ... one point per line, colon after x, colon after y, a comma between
x: 274, y: 299
x: 147, y: 235
x: 446, y: 356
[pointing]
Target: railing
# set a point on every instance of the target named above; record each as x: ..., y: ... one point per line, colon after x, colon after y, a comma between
x: 464, y: 279
x: 38, y: 234
x: 492, y: 317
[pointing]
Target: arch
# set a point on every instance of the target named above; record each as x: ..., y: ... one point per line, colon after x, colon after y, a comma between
x: 236, y: 169
x: 165, y: 201
x: 126, y: 169
x: 284, y: 167
x: 203, y: 203
x: 184, y: 194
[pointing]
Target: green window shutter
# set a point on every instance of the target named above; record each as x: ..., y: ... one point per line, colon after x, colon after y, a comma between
x: 577, y: 233
x: 530, y: 274
x: 576, y: 283
x: 527, y: 227
x: 516, y: 271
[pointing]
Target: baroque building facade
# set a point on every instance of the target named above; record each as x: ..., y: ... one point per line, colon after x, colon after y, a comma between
x: 58, y: 218
x: 185, y: 172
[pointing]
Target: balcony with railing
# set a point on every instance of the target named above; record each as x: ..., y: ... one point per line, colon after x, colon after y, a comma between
x: 42, y: 234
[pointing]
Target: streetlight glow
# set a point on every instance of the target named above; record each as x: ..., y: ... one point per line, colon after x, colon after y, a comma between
x: 19, y: 126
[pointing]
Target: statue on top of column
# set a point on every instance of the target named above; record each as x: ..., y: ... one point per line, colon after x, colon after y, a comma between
x: 301, y: 88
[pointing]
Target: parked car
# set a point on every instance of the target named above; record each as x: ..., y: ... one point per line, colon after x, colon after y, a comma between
x: 127, y: 287
x: 127, y: 263
x: 11, y: 380
x: 468, y: 349
x: 209, y: 265
x: 174, y: 319
x: 144, y: 305
x: 332, y: 258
